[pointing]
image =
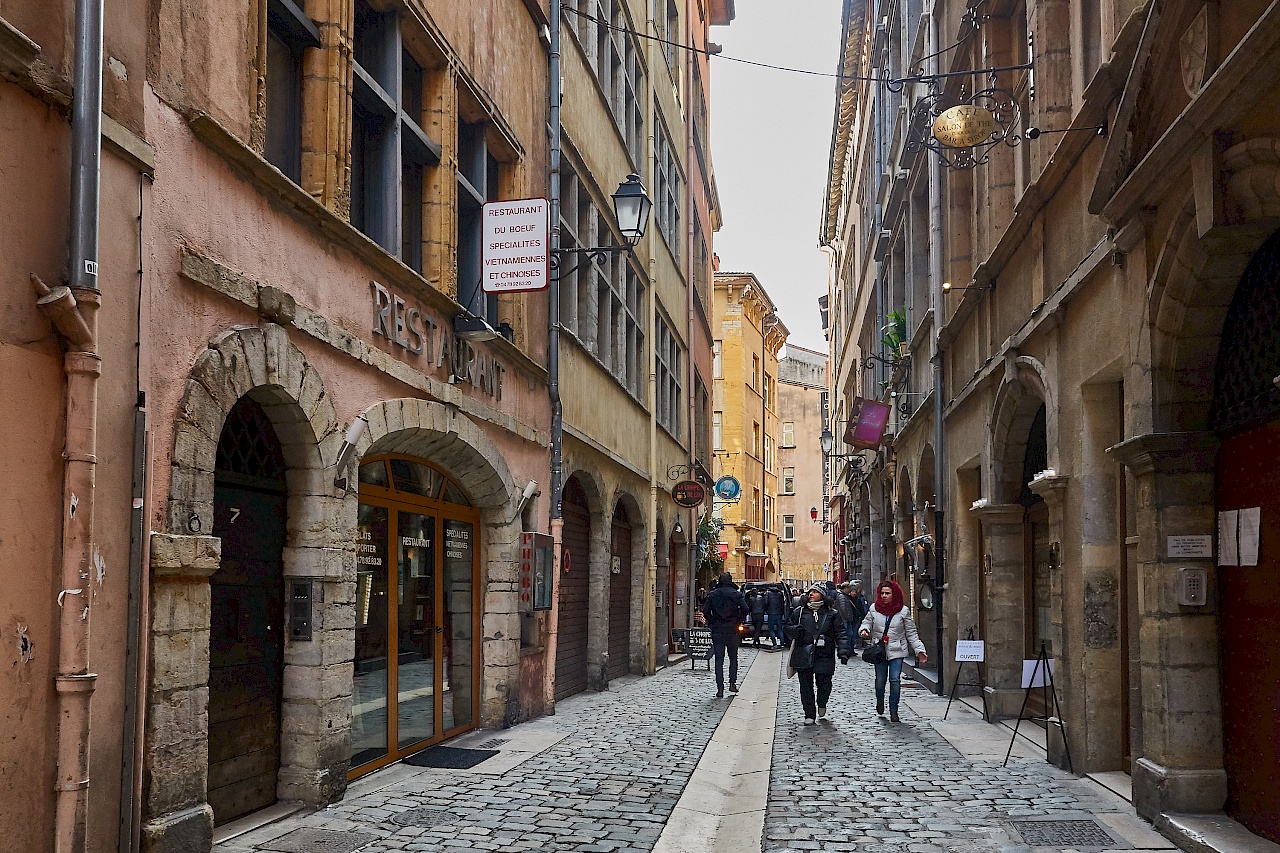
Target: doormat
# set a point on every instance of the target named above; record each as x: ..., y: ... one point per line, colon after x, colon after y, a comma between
x: 450, y: 757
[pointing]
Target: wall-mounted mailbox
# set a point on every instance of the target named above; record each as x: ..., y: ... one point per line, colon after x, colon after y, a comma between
x: 300, y: 607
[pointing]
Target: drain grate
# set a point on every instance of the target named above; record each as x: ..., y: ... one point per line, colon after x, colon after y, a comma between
x: 492, y: 743
x: 424, y: 816
x: 319, y: 841
x: 1063, y: 833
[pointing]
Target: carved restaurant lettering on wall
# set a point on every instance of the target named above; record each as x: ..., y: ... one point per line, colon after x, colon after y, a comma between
x: 434, y: 346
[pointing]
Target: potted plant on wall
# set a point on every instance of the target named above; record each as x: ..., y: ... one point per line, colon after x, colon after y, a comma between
x: 894, y: 333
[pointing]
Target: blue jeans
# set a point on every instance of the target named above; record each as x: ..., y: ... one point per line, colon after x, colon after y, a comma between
x: 775, y: 629
x: 718, y: 648
x: 851, y: 631
x: 891, y: 671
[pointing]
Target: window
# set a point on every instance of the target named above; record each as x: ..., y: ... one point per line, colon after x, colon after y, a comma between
x: 602, y: 305
x: 702, y: 416
x: 768, y: 513
x: 789, y: 527
x: 788, y: 434
x: 755, y: 508
x: 717, y: 361
x: 768, y: 453
x: 389, y: 150
x: 669, y: 396
x: 755, y: 373
x: 666, y: 191
x: 289, y: 33
x: 717, y: 431
x: 755, y: 440
x: 768, y: 392
x: 788, y: 481
x: 612, y: 53
x: 669, y: 31
x: 477, y: 183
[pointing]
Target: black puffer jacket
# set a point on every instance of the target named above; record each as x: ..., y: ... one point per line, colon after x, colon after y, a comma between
x: 725, y: 608
x: 806, y: 625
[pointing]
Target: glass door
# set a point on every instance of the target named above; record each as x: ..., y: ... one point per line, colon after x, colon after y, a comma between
x: 416, y: 613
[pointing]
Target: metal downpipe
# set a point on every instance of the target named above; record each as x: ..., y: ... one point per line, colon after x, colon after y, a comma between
x: 553, y: 343
x: 936, y: 272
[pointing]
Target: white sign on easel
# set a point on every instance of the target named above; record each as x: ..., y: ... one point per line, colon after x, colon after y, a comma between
x: 1034, y: 673
x: 971, y: 651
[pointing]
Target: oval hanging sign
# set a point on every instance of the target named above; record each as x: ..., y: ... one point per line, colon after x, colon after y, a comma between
x: 728, y: 488
x: 964, y: 126
x: 688, y: 493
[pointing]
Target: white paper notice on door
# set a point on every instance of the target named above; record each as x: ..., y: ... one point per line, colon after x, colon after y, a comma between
x: 1228, y: 524
x: 1250, y: 529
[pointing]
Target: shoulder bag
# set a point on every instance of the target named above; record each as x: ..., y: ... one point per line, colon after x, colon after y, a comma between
x: 879, y: 650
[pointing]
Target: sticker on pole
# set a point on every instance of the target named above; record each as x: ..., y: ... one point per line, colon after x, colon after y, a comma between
x: 516, y: 246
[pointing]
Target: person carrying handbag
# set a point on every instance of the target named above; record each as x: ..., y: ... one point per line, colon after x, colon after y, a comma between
x: 892, y: 633
x: 818, y: 635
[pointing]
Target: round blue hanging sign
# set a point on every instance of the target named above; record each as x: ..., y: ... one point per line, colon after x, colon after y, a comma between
x: 728, y: 488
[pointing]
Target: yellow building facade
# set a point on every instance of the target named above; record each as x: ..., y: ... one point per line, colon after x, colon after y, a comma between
x: 744, y: 423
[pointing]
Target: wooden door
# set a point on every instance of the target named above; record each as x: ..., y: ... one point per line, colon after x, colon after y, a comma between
x: 1038, y: 618
x: 620, y: 597
x: 1249, y: 476
x: 571, y: 622
x: 246, y: 651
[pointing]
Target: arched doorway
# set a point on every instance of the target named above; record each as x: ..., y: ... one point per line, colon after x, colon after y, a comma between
x: 417, y: 611
x: 1246, y: 413
x: 574, y: 582
x: 619, y: 594
x: 246, y: 636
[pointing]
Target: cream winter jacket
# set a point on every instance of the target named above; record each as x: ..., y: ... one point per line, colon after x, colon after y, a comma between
x: 902, y: 632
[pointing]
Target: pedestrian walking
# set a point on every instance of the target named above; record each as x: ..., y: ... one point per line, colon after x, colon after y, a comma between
x: 724, y: 609
x: 818, y: 635
x: 756, y: 603
x: 775, y: 610
x: 889, y: 623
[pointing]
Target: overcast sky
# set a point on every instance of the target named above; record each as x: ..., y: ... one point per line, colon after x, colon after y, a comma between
x: 770, y: 136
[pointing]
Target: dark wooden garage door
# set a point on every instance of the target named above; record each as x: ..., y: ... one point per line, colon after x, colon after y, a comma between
x: 571, y: 624
x: 620, y: 596
x: 1249, y: 476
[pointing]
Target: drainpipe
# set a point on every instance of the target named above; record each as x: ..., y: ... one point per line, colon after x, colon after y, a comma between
x: 73, y: 312
x: 553, y: 339
x: 691, y: 373
x: 936, y: 243
x: 648, y: 615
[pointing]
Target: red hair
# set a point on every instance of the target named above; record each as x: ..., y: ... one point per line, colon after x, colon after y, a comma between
x: 896, y: 603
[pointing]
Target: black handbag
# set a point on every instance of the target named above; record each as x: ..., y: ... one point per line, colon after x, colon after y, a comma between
x: 801, y: 657
x: 879, y: 650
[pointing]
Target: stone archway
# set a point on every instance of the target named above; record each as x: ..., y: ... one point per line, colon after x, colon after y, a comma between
x: 585, y: 539
x: 636, y: 600
x: 438, y: 433
x: 261, y: 363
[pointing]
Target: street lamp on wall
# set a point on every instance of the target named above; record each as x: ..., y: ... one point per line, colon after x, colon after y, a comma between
x: 813, y: 513
x: 631, y: 208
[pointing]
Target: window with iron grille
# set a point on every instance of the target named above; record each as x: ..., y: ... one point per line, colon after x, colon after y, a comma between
x: 390, y: 152
x: 289, y: 33
x: 669, y: 393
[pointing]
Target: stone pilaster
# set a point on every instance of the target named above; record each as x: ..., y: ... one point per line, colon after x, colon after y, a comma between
x: 1003, y: 565
x: 1053, y: 489
x: 175, y: 784
x: 1180, y: 760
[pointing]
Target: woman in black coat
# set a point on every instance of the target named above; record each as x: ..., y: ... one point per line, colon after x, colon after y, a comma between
x: 818, y: 635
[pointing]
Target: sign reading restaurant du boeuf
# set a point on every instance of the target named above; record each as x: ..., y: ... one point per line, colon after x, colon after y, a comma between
x: 432, y: 344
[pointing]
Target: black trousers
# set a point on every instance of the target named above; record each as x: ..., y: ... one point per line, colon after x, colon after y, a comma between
x: 718, y: 648
x: 807, y: 699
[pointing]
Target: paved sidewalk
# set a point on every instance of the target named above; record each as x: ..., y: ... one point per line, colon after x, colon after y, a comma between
x: 857, y: 782
x: 618, y: 763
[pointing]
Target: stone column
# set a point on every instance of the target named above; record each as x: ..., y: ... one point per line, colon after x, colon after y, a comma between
x: 175, y: 781
x: 1004, y: 566
x: 1180, y: 760
x: 1053, y: 489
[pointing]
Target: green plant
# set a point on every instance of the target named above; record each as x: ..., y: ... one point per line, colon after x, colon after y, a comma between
x: 708, y: 534
x: 894, y: 332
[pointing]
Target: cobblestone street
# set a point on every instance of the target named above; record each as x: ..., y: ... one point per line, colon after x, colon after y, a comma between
x: 606, y: 772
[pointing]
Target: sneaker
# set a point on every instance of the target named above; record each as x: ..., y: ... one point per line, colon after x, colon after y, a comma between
x: 810, y: 721
x: 893, y: 717
x: 822, y: 710
x: 720, y: 693
x: 880, y: 707
x: 733, y: 688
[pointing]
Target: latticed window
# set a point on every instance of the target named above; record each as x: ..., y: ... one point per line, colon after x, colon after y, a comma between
x: 248, y: 449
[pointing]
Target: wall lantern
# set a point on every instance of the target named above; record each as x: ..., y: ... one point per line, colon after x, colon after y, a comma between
x: 631, y: 207
x: 813, y: 513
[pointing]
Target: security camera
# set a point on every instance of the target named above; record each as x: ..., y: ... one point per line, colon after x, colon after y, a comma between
x: 529, y: 491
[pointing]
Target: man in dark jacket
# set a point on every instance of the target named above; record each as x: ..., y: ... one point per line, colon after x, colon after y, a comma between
x: 725, y: 608
x: 756, y: 603
x: 775, y: 608
x: 818, y: 637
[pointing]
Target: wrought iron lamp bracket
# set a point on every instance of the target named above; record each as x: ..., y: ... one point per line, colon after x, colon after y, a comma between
x: 870, y: 361
x: 591, y: 254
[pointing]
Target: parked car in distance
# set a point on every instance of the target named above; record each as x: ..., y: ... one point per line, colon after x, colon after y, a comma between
x: 750, y: 590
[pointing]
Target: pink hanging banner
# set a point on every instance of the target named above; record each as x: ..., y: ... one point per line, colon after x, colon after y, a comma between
x: 866, y: 428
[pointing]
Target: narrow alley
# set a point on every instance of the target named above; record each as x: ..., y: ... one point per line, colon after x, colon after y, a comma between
x: 660, y: 764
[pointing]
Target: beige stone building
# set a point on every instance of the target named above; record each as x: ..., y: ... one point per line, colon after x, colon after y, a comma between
x: 1103, y: 368
x: 804, y: 542
x: 744, y: 433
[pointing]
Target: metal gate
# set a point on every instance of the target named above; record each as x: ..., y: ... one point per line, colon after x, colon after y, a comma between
x: 571, y: 623
x: 620, y: 596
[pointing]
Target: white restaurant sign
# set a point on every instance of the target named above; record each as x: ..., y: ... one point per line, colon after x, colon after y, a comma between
x: 516, y: 246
